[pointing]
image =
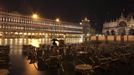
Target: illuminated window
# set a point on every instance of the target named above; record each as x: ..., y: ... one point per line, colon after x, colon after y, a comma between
x: 28, y: 21
x: 13, y: 20
x: 24, y: 21
x: 18, y: 20
x: 9, y: 19
x: 6, y: 19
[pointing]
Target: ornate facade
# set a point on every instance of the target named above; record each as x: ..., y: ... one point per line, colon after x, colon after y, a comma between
x: 121, y: 26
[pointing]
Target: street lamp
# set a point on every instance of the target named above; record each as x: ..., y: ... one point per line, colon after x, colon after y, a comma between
x: 80, y: 23
x: 35, y: 16
x: 57, y: 20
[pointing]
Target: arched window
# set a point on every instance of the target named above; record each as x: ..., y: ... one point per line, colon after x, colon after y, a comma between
x: 107, y: 33
x: 131, y: 31
x: 122, y: 24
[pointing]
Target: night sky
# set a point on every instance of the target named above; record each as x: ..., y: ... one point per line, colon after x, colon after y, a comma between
x: 98, y: 11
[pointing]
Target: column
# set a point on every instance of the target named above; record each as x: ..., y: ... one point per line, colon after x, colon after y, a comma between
x: 26, y: 38
x: 3, y: 38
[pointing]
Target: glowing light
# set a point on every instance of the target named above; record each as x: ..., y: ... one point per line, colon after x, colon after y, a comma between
x: 86, y: 18
x: 46, y: 36
x: 57, y: 20
x: 34, y: 42
x: 35, y: 16
x: 25, y: 33
x: 97, y: 34
x: 81, y: 39
x: 80, y: 23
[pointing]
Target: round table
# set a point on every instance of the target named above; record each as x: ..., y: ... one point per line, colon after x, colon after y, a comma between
x: 83, y: 69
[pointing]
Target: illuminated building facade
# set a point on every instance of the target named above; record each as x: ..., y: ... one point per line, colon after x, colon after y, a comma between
x: 20, y: 26
x: 121, y: 26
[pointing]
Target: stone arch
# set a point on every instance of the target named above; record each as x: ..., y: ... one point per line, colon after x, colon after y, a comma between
x: 122, y: 24
x: 112, y: 32
x: 121, y: 31
x: 107, y: 33
x: 121, y: 28
x: 131, y: 31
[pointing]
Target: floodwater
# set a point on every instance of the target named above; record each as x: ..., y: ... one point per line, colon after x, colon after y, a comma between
x: 19, y: 64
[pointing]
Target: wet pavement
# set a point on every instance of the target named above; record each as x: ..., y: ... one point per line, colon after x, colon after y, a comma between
x: 20, y: 65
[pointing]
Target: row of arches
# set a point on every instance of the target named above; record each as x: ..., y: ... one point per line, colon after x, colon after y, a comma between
x: 120, y: 32
x: 112, y: 32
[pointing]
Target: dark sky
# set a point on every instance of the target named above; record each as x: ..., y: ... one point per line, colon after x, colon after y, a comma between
x: 97, y: 11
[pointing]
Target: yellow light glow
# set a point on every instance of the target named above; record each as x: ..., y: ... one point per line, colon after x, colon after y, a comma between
x: 81, y: 39
x: 35, y: 16
x: 57, y: 20
x: 35, y: 42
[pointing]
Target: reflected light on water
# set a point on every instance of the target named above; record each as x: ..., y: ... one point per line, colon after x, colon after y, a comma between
x: 30, y: 68
x: 34, y: 42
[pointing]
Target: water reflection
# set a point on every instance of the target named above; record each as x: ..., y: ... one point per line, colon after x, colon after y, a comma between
x: 35, y: 42
x: 19, y: 64
x: 31, y: 69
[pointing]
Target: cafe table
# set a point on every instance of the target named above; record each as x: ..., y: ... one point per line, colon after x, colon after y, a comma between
x: 83, y: 69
